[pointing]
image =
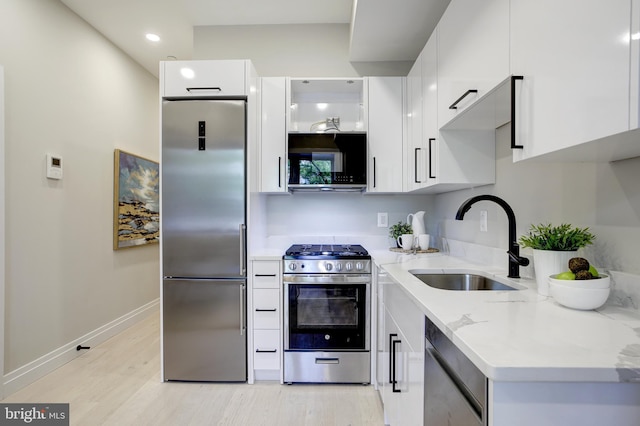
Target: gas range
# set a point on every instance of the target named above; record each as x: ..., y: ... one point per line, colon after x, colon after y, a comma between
x: 327, y: 259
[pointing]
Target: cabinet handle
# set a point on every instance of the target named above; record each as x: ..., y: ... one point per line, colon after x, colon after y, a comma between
x: 189, y: 89
x: 265, y: 275
x: 394, y: 381
x: 266, y: 310
x: 279, y: 171
x: 415, y: 164
x: 391, y: 357
x: 266, y: 351
x: 431, y: 175
x: 467, y: 93
x: 374, y: 172
x: 513, y: 111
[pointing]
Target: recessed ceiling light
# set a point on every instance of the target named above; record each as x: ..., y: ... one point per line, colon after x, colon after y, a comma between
x: 153, y: 37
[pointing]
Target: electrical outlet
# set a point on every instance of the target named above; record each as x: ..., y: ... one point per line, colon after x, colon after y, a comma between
x: 483, y: 221
x: 383, y: 220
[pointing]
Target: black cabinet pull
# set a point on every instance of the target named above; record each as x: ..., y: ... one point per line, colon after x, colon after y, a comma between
x: 431, y: 175
x: 279, y: 172
x: 189, y: 89
x: 374, y: 172
x: 394, y: 381
x: 266, y: 351
x: 513, y: 111
x: 391, y: 357
x: 415, y: 164
x: 265, y: 275
x: 467, y: 93
x: 266, y: 310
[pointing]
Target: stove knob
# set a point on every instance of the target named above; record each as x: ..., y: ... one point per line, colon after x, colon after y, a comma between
x: 348, y: 266
x: 359, y: 266
x: 338, y: 266
x: 328, y: 266
x: 292, y: 266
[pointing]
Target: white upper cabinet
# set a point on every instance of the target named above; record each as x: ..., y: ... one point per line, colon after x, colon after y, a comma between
x: 210, y: 78
x: 473, y: 52
x: 429, y: 61
x: 385, y: 133
x: 415, y: 170
x: 580, y: 67
x: 326, y: 104
x: 273, y: 135
x: 438, y: 160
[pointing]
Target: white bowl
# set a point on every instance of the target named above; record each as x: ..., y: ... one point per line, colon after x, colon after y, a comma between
x: 578, y: 297
x: 603, y: 282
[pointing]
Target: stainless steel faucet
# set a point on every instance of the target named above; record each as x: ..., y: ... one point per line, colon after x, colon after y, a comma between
x: 515, y: 261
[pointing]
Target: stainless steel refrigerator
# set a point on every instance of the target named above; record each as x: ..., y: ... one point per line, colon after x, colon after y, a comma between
x: 203, y: 241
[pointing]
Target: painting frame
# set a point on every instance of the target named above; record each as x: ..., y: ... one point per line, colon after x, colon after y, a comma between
x: 136, y: 201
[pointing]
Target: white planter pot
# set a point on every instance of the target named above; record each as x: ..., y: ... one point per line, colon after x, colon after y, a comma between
x: 549, y: 262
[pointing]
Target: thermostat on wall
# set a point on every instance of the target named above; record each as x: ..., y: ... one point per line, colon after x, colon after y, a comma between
x: 54, y: 166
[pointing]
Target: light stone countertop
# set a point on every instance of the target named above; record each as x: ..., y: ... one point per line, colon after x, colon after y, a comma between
x: 521, y: 335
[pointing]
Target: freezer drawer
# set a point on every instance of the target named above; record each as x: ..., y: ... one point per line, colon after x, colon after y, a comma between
x: 204, y: 330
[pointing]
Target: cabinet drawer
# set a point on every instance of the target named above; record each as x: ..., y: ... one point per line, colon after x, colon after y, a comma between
x: 266, y: 309
x: 266, y: 274
x: 205, y: 78
x: 266, y: 345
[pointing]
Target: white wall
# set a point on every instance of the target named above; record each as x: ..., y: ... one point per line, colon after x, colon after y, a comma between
x: 320, y: 50
x: 337, y: 215
x: 70, y: 92
x: 604, y: 197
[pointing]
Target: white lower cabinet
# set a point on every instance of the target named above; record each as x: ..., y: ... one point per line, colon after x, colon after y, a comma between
x: 266, y: 319
x: 400, y: 355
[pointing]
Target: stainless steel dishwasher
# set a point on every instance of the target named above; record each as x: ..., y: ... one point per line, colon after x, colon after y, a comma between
x: 455, y: 390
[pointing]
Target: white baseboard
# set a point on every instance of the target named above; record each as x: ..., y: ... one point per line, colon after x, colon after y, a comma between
x: 29, y: 373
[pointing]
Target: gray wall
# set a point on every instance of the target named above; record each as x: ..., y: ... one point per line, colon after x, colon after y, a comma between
x: 72, y: 93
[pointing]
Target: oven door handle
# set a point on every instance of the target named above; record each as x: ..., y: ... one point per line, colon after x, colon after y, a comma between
x: 327, y: 279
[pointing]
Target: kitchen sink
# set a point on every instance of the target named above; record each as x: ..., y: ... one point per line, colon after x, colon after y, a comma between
x: 461, y: 282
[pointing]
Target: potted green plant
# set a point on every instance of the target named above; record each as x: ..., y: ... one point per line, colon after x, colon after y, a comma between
x: 398, y: 229
x: 552, y: 247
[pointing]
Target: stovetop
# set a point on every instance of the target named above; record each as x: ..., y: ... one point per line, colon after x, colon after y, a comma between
x: 326, y: 251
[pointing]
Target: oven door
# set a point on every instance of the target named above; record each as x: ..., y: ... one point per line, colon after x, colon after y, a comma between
x: 327, y: 312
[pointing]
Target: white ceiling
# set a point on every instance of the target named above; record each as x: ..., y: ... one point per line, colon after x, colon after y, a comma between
x: 381, y: 30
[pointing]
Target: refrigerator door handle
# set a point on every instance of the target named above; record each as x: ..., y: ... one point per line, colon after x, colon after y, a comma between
x: 242, y: 310
x: 243, y: 266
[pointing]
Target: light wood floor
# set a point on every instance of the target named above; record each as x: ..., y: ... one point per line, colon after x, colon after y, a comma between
x: 118, y: 383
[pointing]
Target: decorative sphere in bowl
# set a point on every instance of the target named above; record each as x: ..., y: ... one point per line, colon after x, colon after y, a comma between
x: 576, y: 297
x: 603, y: 281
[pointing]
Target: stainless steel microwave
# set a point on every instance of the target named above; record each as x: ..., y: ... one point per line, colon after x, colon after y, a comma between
x: 327, y: 161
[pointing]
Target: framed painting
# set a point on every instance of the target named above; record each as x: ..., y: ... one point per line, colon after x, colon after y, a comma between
x: 136, y: 212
